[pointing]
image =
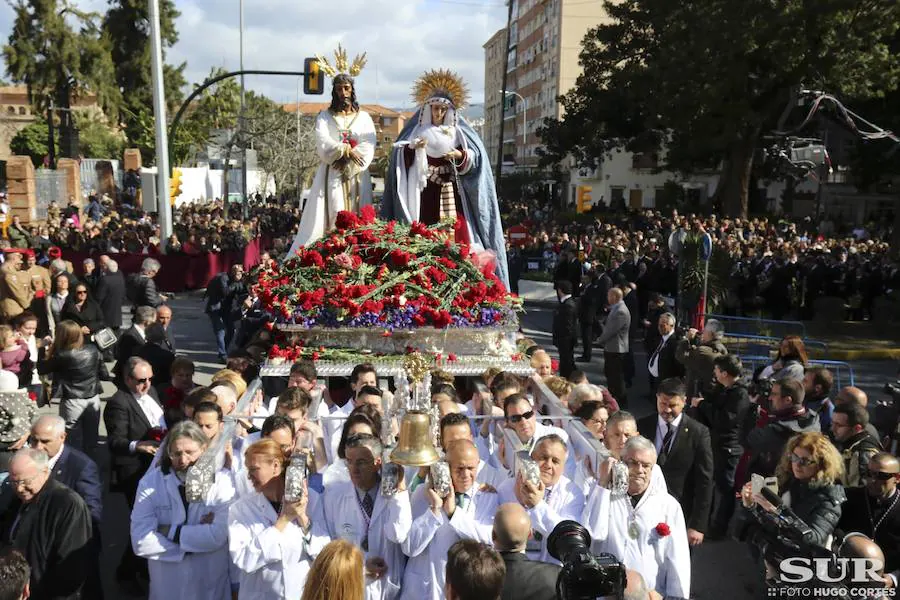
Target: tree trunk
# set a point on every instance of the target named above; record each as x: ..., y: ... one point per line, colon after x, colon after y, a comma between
x: 732, y: 193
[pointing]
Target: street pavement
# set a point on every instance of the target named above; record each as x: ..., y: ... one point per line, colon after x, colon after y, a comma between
x: 720, y: 569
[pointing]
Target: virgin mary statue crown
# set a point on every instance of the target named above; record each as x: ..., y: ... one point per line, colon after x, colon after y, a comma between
x: 342, y: 66
x: 440, y: 86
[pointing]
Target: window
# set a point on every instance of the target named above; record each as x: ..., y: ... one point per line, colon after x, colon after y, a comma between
x: 388, y: 121
x: 11, y: 110
x: 644, y: 160
x: 22, y: 110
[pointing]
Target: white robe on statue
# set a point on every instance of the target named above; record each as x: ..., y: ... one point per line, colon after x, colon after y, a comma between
x: 327, y: 194
x: 430, y: 537
x: 663, y: 561
x: 386, y: 530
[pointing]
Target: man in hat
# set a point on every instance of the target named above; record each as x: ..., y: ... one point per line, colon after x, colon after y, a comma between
x: 346, y: 136
x: 15, y: 287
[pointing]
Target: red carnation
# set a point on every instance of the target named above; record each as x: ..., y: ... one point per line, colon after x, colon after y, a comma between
x: 367, y: 214
x: 663, y: 530
x: 313, y: 259
x: 418, y: 228
x: 451, y: 357
x: 400, y: 258
x: 346, y: 220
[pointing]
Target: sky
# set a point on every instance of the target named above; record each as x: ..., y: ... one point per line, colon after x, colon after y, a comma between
x: 403, y: 38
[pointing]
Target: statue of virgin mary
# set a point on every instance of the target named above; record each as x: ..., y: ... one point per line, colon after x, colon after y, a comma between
x: 440, y: 171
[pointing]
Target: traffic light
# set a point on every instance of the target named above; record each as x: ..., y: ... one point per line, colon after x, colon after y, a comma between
x: 313, y: 80
x: 584, y: 201
x: 174, y: 185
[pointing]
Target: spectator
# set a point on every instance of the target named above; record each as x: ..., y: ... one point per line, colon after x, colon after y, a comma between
x: 76, y: 369
x: 82, y: 310
x: 58, y: 298
x: 132, y: 340
x: 15, y: 287
x: 593, y: 302
x: 49, y: 524
x: 850, y: 394
x: 810, y: 471
x: 110, y: 294
x: 337, y: 573
x: 475, y: 571
x: 698, y: 356
x: 26, y: 325
x: 164, y: 318
x: 180, y: 385
x: 90, y: 274
x: 156, y: 352
x: 224, y: 292
x: 13, y: 350
x: 141, y: 288
x: 662, y: 363
x: 40, y: 284
x: 525, y: 579
x: 15, y: 575
x: 857, y: 446
x: 565, y: 327
x: 615, y: 343
x: 817, y: 383
x: 790, y: 361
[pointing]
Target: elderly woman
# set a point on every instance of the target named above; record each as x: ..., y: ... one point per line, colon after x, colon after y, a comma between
x: 809, y: 475
x: 185, y: 544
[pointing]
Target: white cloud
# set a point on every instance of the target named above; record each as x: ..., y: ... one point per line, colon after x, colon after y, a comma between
x: 403, y: 38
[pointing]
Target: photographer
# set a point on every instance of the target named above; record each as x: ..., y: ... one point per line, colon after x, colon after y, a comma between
x: 857, y: 446
x: 724, y: 412
x: 809, y: 473
x: 697, y: 356
x: 784, y: 417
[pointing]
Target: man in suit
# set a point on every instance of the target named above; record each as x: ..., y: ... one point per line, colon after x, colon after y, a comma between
x: 142, y: 289
x: 662, y: 363
x: 110, y: 293
x: 593, y: 302
x: 222, y: 291
x: 525, y: 579
x: 614, y: 340
x: 134, y: 428
x: 164, y: 318
x: 565, y: 327
x: 77, y: 471
x: 132, y: 340
x: 684, y: 453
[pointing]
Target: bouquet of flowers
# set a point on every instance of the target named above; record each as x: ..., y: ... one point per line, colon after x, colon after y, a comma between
x: 368, y: 273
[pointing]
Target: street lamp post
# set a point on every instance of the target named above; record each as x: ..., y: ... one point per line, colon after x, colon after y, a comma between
x: 524, y: 110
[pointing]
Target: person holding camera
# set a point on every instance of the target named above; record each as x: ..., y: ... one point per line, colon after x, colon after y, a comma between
x: 644, y: 528
x: 809, y: 473
x: 724, y: 412
x: 697, y: 355
x: 784, y: 417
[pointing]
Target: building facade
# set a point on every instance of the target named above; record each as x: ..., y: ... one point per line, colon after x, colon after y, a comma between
x: 494, y: 50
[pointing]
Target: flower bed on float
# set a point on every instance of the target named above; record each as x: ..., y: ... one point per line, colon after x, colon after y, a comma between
x: 386, y: 288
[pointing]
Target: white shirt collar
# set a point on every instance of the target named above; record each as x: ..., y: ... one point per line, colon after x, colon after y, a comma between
x: 564, y: 298
x: 663, y: 425
x: 665, y: 339
x: 55, y: 459
x: 140, y: 331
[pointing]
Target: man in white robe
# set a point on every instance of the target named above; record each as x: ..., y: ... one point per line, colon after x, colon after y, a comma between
x: 467, y: 512
x: 358, y: 512
x: 644, y: 528
x: 554, y: 499
x: 345, y: 144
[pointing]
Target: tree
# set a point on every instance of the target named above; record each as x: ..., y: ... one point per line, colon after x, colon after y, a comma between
x: 31, y: 141
x: 128, y: 28
x: 286, y: 147
x: 57, y: 62
x: 96, y: 138
x: 711, y: 77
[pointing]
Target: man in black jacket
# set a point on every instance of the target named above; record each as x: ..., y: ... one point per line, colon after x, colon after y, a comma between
x: 110, y: 294
x: 49, y: 524
x: 565, y: 327
x: 132, y: 340
x: 724, y: 413
x: 142, y: 289
x: 684, y: 453
x: 222, y: 293
x: 661, y: 361
x: 592, y: 302
x: 135, y: 425
x: 857, y: 446
x: 874, y: 510
x: 525, y: 579
x: 817, y: 384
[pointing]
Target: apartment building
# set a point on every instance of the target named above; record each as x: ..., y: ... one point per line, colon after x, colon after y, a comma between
x: 545, y: 42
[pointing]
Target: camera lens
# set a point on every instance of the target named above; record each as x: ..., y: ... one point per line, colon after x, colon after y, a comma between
x: 566, y: 539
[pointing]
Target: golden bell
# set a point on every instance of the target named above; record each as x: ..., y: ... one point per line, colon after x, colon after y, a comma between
x: 415, y: 448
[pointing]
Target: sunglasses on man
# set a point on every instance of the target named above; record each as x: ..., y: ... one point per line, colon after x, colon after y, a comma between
x: 515, y: 419
x: 878, y: 475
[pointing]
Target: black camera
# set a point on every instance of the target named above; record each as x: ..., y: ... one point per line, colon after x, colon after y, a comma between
x: 583, y: 575
x: 761, y: 388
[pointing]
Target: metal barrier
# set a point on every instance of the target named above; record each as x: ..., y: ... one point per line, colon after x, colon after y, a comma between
x: 760, y: 326
x: 745, y: 343
x: 842, y: 371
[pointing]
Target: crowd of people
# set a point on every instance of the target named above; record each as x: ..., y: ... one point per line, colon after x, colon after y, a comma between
x: 778, y: 267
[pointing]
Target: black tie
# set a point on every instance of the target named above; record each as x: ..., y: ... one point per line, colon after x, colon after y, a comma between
x: 368, y: 504
x: 667, y: 439
x: 655, y: 355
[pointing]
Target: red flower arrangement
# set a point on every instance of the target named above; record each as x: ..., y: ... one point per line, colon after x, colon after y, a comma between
x: 370, y: 274
x: 663, y: 530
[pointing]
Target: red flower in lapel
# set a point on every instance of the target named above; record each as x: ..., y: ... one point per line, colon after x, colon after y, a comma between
x: 155, y: 434
x: 663, y: 530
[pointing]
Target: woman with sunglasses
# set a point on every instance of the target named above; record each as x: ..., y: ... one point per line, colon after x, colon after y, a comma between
x: 82, y: 309
x: 76, y: 369
x: 809, y: 476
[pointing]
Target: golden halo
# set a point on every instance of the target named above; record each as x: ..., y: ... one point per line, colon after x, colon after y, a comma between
x: 441, y: 82
x: 341, y: 64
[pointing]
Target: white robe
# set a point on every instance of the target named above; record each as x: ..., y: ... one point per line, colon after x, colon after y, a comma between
x: 430, y: 537
x: 327, y: 184
x: 566, y: 501
x: 196, y: 566
x: 388, y: 528
x: 663, y: 561
x: 272, y: 563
